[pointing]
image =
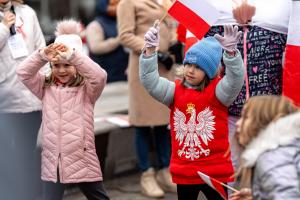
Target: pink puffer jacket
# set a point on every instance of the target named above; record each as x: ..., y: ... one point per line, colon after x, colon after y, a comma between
x: 68, y: 142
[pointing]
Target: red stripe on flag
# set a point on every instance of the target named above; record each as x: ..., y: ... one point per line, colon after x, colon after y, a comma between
x: 220, y: 189
x: 291, y: 73
x: 181, y: 33
x: 214, y: 183
x: 189, y: 19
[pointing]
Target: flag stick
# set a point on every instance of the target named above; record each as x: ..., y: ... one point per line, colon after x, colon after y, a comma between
x: 229, y: 187
x: 215, y: 180
x: 225, y: 185
x: 157, y: 22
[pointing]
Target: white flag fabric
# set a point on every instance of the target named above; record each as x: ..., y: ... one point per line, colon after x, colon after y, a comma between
x: 196, y: 15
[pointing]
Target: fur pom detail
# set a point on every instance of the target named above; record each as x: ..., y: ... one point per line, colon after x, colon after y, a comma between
x: 68, y: 26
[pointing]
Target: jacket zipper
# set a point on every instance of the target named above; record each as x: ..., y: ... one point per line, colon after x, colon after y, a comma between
x: 59, y: 136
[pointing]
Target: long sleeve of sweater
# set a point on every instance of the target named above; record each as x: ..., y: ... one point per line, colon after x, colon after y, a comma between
x: 158, y: 87
x: 231, y: 84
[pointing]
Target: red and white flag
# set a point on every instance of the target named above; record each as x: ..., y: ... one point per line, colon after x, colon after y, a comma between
x: 190, y: 39
x: 196, y: 15
x: 214, y: 183
x: 291, y: 70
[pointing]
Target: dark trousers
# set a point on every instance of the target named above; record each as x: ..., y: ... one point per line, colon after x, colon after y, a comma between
x: 191, y: 192
x: 19, y: 158
x: 92, y: 190
x: 162, y: 145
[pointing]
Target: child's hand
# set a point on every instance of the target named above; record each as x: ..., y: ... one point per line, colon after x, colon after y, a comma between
x: 243, y: 194
x: 152, y: 36
x: 230, y: 39
x: 64, y: 53
x: 49, y: 53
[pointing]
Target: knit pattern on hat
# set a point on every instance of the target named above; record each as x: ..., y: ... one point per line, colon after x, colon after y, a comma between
x: 206, y: 54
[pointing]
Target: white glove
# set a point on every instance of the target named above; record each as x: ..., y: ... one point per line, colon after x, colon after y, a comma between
x: 152, y: 37
x: 230, y: 39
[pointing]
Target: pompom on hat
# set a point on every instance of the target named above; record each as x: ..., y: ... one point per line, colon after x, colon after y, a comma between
x: 206, y: 54
x: 67, y: 33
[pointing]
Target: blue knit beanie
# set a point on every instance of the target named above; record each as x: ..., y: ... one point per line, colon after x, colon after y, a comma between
x: 206, y: 54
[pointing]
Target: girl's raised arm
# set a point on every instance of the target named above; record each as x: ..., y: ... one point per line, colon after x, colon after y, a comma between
x: 158, y: 87
x: 28, y: 72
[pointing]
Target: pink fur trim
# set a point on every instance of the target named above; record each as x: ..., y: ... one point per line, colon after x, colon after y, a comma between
x: 68, y: 26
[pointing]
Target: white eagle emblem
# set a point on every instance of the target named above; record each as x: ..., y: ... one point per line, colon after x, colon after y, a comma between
x: 188, y: 134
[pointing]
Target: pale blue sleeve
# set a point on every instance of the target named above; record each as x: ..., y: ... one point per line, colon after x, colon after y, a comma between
x: 158, y: 87
x: 231, y: 84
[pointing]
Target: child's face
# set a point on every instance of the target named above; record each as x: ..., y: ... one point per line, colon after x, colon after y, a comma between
x: 64, y: 72
x: 193, y: 75
x: 242, y: 127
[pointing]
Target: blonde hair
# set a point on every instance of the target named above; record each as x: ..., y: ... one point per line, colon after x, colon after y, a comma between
x: 262, y: 110
x: 78, y: 80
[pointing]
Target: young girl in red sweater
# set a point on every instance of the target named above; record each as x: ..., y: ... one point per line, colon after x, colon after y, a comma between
x: 198, y: 105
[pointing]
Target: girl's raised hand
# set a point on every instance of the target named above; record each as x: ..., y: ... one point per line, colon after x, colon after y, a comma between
x: 152, y: 36
x: 230, y: 39
x: 49, y: 53
x: 54, y: 52
x: 63, y: 52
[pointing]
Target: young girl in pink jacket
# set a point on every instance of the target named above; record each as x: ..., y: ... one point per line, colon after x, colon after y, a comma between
x: 68, y: 94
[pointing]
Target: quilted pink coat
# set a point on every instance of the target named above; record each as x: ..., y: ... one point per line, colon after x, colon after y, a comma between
x: 68, y: 142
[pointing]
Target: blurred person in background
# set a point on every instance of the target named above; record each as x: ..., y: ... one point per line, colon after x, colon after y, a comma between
x: 20, y: 116
x: 145, y: 113
x: 269, y: 134
x: 103, y: 41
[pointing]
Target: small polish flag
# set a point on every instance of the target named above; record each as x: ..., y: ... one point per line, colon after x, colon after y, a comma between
x: 189, y: 41
x: 196, y: 15
x: 291, y: 70
x: 215, y: 184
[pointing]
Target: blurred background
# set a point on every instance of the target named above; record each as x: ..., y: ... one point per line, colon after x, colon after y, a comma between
x: 49, y: 11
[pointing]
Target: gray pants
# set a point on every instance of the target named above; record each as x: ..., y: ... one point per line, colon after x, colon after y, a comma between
x: 92, y: 190
x: 20, y: 165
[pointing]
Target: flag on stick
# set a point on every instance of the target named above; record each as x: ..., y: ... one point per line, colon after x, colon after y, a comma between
x: 216, y: 185
x: 291, y: 70
x: 196, y: 15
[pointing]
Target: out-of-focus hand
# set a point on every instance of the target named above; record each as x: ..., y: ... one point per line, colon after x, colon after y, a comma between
x: 230, y: 39
x: 243, y: 194
x: 244, y: 12
x: 8, y: 19
x: 152, y: 36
